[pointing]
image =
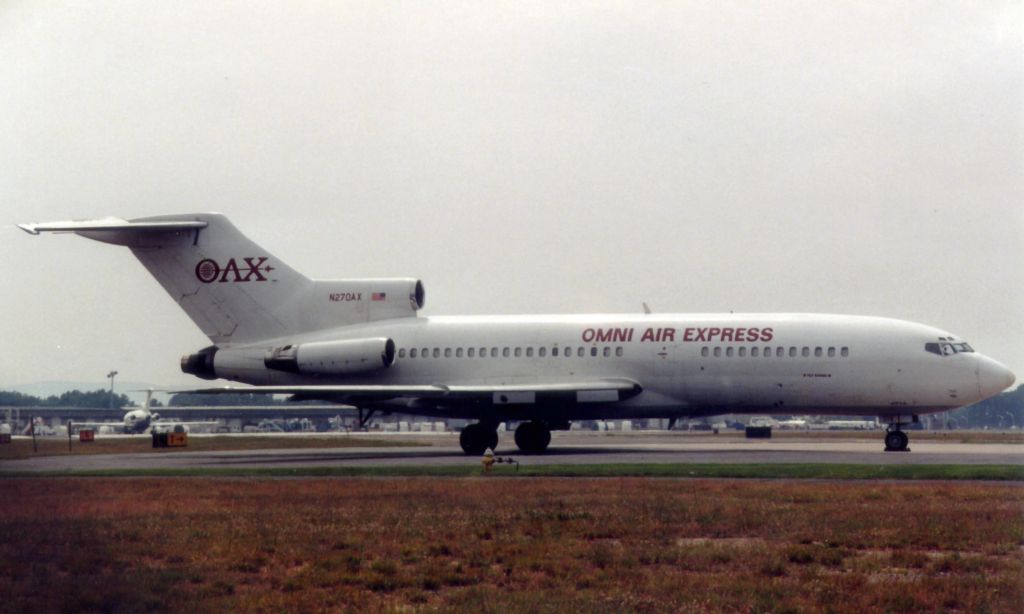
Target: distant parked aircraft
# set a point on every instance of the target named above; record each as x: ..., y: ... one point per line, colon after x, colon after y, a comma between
x: 143, y: 420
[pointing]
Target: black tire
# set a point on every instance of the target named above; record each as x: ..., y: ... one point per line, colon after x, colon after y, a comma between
x: 474, y: 439
x: 533, y: 437
x: 896, y: 441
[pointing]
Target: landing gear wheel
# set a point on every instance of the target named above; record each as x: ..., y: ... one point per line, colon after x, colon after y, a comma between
x: 533, y: 437
x: 896, y: 441
x: 475, y: 439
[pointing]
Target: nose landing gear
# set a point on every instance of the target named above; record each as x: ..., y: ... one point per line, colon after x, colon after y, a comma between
x: 896, y: 440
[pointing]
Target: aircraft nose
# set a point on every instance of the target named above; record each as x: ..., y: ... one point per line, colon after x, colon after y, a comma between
x: 993, y: 377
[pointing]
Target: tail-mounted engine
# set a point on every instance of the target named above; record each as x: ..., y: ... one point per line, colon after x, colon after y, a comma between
x: 348, y: 357
x: 200, y: 364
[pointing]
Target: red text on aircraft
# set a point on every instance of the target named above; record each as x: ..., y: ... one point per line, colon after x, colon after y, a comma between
x: 659, y: 335
x: 253, y: 269
x: 748, y: 335
x: 607, y: 335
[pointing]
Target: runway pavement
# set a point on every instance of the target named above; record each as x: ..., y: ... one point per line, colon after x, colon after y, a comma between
x: 566, y: 448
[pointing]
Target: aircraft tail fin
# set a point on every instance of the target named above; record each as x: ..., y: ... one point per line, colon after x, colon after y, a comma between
x: 233, y: 289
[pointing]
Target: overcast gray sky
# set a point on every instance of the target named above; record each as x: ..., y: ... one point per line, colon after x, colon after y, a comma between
x: 519, y: 157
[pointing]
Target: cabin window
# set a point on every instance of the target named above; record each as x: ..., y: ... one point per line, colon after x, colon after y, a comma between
x: 529, y: 352
x: 567, y: 352
x: 580, y: 351
x: 845, y: 352
x: 424, y: 353
x: 607, y: 351
x: 554, y: 351
x: 506, y: 352
x: 718, y: 352
x: 780, y: 352
x: 618, y: 351
x: 494, y: 352
x: 767, y: 351
x: 831, y: 352
x: 754, y: 352
x: 593, y: 351
x: 412, y: 353
x: 792, y: 351
x: 817, y: 352
x: 518, y: 352
x: 483, y: 352
x: 401, y: 353
x: 447, y: 352
x: 458, y: 352
x: 728, y: 351
x: 471, y: 353
x: 743, y: 351
x: 805, y: 352
x: 704, y: 351
x: 437, y: 352
x: 542, y: 352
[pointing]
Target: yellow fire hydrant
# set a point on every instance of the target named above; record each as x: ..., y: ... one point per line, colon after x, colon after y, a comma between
x: 488, y: 460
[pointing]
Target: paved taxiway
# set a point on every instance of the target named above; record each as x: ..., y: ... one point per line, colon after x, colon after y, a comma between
x: 566, y: 448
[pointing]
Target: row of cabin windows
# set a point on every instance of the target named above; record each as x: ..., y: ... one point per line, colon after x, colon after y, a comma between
x: 509, y: 352
x: 778, y: 352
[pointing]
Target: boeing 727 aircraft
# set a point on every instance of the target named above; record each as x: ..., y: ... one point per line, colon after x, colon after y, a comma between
x: 361, y: 342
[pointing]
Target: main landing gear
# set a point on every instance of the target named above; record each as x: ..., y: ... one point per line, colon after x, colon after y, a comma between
x: 475, y: 439
x: 531, y: 437
x: 895, y: 439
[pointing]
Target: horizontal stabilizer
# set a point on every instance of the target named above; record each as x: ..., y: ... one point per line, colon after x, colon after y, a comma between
x: 111, y: 224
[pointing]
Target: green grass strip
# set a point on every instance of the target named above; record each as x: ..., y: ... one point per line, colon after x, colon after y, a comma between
x: 666, y: 470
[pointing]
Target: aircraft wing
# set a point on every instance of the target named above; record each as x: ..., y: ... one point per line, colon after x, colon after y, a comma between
x: 595, y: 391
x: 117, y: 426
x: 164, y: 425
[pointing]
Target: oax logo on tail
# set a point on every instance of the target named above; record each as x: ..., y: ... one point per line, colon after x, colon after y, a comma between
x: 252, y: 269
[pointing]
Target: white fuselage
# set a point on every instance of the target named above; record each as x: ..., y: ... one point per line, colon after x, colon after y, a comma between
x: 362, y: 342
x: 686, y: 364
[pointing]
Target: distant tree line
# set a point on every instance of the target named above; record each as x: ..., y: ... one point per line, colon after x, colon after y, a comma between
x: 74, y: 398
x: 999, y: 412
x: 101, y: 399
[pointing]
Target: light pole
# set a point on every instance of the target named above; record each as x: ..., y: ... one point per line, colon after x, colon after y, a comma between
x: 111, y: 376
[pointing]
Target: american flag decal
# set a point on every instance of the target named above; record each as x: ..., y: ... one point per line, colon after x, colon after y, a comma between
x: 379, y: 296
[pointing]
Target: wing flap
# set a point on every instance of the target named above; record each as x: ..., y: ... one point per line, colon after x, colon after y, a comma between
x: 599, y: 391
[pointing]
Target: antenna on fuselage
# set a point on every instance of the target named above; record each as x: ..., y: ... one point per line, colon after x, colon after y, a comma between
x: 647, y: 310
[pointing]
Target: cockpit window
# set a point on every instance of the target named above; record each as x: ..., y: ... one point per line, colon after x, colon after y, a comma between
x: 948, y: 349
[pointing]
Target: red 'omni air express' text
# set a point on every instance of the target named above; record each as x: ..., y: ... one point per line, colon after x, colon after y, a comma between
x: 687, y: 335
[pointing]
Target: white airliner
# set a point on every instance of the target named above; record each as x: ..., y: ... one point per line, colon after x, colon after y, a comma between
x: 361, y: 342
x: 143, y: 419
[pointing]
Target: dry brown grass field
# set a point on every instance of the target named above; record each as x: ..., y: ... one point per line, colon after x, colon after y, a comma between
x: 58, y: 446
x: 507, y: 545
